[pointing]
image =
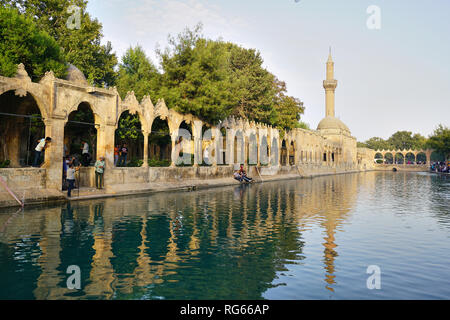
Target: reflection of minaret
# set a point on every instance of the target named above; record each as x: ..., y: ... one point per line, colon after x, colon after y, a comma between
x: 329, y: 85
x: 330, y: 254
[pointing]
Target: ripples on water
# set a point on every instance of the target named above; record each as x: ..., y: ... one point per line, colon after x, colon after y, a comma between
x: 300, y: 239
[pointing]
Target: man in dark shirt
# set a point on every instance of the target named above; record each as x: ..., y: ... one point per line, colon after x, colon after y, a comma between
x: 123, y: 156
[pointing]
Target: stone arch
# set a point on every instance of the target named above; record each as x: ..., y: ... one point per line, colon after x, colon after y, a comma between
x: 252, y: 149
x: 159, y: 143
x: 421, y: 157
x: 378, y: 157
x: 80, y: 125
x: 284, y: 153
x: 410, y: 158
x: 98, y: 119
x: 388, y: 158
x: 184, y: 143
x: 274, y: 152
x: 264, y: 150
x: 21, y: 125
x: 399, y: 158
x: 239, y: 147
x: 292, y: 149
x: 22, y: 91
x: 131, y: 136
x: 222, y: 146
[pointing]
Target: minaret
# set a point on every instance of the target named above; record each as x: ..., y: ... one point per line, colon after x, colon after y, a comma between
x: 329, y: 85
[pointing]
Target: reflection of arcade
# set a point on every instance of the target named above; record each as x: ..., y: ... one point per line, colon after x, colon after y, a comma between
x: 164, y: 242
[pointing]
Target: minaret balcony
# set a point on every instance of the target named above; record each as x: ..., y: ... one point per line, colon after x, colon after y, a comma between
x: 330, y: 84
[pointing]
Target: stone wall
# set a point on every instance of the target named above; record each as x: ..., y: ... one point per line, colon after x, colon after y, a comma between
x: 23, y: 178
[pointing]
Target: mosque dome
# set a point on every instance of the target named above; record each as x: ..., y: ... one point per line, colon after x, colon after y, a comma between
x: 332, y: 123
x: 75, y: 75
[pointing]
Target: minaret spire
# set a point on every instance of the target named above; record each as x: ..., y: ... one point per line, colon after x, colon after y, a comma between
x: 329, y: 85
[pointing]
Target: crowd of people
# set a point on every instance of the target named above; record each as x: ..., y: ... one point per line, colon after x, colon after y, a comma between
x: 72, y: 164
x: 443, y: 167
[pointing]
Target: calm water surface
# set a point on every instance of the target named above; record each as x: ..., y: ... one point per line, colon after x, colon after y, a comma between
x: 301, y: 239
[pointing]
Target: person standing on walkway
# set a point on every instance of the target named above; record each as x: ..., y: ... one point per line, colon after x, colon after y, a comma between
x: 42, y: 145
x: 99, y: 170
x: 85, y: 153
x: 71, y: 178
x: 123, y: 156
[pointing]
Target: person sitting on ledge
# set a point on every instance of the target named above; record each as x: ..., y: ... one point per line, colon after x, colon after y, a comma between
x: 243, y: 174
x: 237, y: 176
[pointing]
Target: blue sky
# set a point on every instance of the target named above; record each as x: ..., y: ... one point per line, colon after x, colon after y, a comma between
x: 395, y: 78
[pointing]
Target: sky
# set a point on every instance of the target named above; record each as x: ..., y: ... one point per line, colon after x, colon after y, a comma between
x: 396, y: 77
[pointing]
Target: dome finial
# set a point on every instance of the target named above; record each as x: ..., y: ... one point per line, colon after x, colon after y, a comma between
x: 330, y: 59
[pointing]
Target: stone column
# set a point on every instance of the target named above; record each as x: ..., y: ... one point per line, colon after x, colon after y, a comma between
x: 174, y: 154
x: 215, y: 145
x: 105, y: 143
x: 197, y: 133
x: 54, y: 128
x: 428, y: 155
x: 230, y: 148
x: 258, y: 149
x: 145, y: 160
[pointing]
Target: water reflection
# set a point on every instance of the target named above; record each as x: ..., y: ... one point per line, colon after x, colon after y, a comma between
x: 227, y: 243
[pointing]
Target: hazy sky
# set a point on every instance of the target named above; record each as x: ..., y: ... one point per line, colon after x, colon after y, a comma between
x: 394, y: 78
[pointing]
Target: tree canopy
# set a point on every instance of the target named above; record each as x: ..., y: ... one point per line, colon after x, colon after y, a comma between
x: 212, y: 80
x: 402, y: 140
x: 81, y: 43
x: 138, y: 73
x: 21, y: 41
x: 440, y: 140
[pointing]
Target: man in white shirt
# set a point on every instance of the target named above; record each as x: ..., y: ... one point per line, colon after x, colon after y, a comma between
x: 85, y: 153
x: 42, y: 145
x: 71, y: 178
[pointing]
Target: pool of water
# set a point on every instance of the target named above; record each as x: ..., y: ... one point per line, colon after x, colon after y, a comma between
x: 298, y: 239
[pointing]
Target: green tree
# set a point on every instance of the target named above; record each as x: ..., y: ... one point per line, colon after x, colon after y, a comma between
x: 138, y: 73
x: 254, y: 88
x: 22, y: 42
x: 82, y: 44
x: 377, y: 143
x: 213, y: 79
x: 287, y: 109
x: 440, y: 140
x: 196, y: 78
x: 405, y: 140
x: 304, y: 125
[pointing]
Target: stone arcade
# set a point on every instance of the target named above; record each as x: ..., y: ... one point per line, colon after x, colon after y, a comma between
x: 330, y: 149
